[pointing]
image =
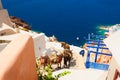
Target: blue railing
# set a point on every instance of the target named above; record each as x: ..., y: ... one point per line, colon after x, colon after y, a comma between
x: 96, y: 40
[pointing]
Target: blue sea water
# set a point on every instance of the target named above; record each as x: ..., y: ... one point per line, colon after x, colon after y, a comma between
x: 66, y: 19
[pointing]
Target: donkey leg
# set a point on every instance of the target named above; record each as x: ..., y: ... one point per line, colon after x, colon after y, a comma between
x: 69, y: 62
x: 65, y: 62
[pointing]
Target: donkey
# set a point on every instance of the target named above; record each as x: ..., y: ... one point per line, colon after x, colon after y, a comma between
x: 67, y: 54
x: 56, y: 59
x: 44, y: 60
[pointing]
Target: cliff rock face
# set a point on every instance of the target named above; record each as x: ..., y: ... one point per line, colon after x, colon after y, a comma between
x: 19, y: 22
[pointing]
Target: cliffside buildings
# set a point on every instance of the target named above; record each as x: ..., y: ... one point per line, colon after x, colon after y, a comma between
x: 19, y: 48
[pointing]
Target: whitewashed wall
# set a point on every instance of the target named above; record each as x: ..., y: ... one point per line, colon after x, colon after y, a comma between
x: 39, y: 44
x: 113, y: 66
x: 113, y: 43
x: 6, y: 30
x: 4, y: 17
x: 2, y: 46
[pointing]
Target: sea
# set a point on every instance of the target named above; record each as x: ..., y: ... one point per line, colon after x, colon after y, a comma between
x: 68, y: 20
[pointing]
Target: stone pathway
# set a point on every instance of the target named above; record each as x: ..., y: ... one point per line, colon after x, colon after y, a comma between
x: 77, y: 62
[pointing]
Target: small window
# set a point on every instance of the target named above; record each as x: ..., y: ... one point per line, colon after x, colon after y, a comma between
x: 2, y: 34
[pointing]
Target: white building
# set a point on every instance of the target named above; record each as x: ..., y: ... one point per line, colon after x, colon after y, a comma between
x: 39, y: 39
x: 6, y: 30
x: 39, y: 44
x: 4, y: 16
x: 113, y: 43
x: 8, y: 33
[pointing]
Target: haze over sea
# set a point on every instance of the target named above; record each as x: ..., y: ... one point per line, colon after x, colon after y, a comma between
x: 66, y: 19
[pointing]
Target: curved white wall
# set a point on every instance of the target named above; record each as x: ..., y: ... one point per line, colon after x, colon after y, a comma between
x: 39, y: 44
